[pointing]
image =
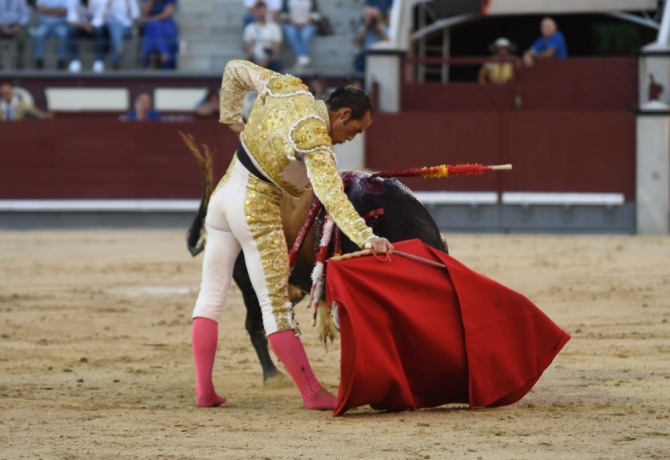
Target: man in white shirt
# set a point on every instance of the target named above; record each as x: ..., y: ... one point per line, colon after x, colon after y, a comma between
x: 274, y: 7
x: 89, y: 18
x: 85, y: 20
x: 300, y: 28
x: 262, y: 40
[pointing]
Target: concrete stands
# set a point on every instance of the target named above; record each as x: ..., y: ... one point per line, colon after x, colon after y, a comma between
x: 211, y: 33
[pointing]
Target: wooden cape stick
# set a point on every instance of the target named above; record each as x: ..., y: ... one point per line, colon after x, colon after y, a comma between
x: 367, y: 252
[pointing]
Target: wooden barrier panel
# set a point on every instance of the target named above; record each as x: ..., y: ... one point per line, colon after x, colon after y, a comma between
x: 410, y: 140
x: 106, y: 159
x: 550, y: 151
x: 588, y: 84
x: 456, y: 97
x: 569, y: 152
x: 575, y: 84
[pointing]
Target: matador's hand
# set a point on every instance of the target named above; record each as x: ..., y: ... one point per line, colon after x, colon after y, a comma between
x: 379, y: 245
x: 237, y: 127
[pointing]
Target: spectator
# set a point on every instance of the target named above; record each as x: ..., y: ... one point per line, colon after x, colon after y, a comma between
x: 160, y: 35
x: 143, y: 110
x: 274, y: 7
x: 377, y: 9
x: 209, y: 106
x: 262, y: 40
x: 299, y: 28
x: 356, y: 81
x: 14, y: 17
x: 550, y: 45
x: 500, y: 71
x: 369, y: 34
x: 53, y: 22
x: 85, y: 20
x: 14, y: 109
x: 120, y: 19
x: 316, y: 86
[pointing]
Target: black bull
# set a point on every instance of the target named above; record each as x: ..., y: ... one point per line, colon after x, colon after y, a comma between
x: 404, y: 217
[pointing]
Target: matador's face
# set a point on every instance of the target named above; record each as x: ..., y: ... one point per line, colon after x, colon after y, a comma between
x: 343, y: 128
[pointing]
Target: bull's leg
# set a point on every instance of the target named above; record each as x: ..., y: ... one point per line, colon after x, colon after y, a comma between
x: 254, y: 321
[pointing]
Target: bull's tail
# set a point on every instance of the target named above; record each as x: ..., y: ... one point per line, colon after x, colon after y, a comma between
x: 195, y: 237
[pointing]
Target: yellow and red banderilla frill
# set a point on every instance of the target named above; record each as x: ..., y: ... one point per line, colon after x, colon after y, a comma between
x: 436, y: 172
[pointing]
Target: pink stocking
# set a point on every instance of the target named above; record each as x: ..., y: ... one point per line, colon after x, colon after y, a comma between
x: 205, y: 335
x: 290, y: 351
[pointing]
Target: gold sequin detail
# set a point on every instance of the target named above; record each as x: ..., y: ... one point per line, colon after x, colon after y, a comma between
x: 267, y: 135
x: 238, y: 78
x: 286, y: 84
x: 284, y: 118
x: 226, y: 176
x: 262, y: 210
x: 311, y: 134
x: 329, y: 189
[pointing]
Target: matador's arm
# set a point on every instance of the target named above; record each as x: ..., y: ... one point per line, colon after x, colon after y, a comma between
x: 311, y: 140
x: 239, y: 77
x: 329, y: 189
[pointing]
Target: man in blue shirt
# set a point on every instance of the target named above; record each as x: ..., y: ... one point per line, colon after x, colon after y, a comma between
x: 53, y: 22
x: 550, y: 45
x: 382, y: 8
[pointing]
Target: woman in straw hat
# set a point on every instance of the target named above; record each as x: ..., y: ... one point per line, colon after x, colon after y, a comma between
x: 501, y: 70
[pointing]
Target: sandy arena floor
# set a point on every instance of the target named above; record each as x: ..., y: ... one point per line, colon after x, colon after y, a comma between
x: 95, y: 359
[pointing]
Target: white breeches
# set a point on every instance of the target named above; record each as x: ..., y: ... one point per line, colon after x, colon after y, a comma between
x: 244, y: 213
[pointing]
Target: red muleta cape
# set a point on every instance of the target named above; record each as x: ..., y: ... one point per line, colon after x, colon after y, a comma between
x: 416, y: 336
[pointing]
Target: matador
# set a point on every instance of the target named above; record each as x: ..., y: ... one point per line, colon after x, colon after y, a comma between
x: 286, y: 146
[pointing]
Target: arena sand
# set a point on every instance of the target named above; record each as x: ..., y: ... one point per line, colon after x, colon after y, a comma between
x: 95, y: 359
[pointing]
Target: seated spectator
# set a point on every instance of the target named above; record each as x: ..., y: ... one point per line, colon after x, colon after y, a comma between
x: 14, y: 109
x: 119, y: 21
x: 14, y: 17
x: 368, y: 34
x: 159, y: 49
x: 53, y: 22
x: 377, y: 9
x: 262, y: 40
x: 316, y: 86
x: 209, y: 106
x: 500, y: 71
x: 85, y: 20
x: 550, y: 45
x: 144, y: 110
x: 299, y: 28
x: 274, y: 9
x: 356, y: 81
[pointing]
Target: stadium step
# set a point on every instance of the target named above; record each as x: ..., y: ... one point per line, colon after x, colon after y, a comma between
x: 211, y: 31
x: 130, y: 61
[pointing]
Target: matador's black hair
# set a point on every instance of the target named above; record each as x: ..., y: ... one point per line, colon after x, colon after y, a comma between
x: 354, y: 98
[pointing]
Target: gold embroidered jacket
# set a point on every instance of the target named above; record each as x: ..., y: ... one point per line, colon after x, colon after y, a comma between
x: 287, y: 139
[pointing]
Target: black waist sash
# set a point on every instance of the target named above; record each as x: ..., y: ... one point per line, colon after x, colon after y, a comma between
x: 243, y: 156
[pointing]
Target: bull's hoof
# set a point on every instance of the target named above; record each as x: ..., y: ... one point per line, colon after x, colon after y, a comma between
x: 327, y: 329
x: 275, y: 379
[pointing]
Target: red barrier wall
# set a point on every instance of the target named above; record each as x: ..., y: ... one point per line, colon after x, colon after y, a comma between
x: 106, y: 159
x: 550, y: 151
x: 577, y: 84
